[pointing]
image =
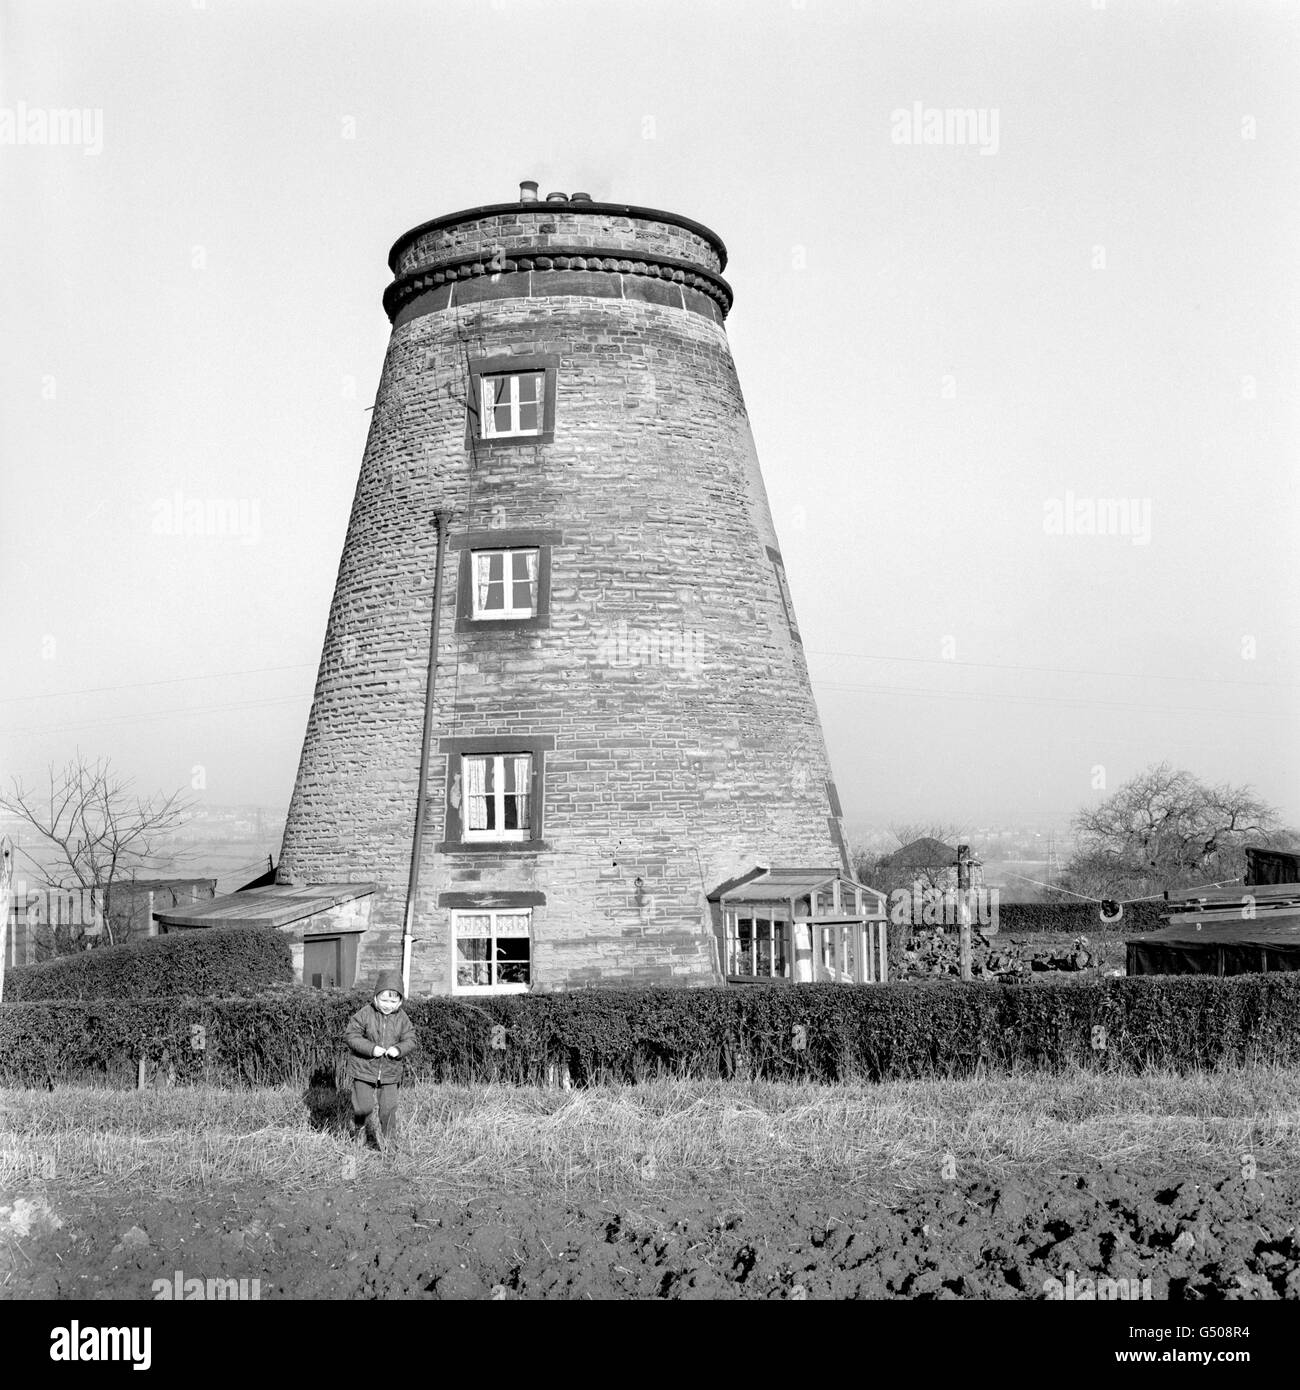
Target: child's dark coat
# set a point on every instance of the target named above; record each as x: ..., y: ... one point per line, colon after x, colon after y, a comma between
x: 368, y: 1029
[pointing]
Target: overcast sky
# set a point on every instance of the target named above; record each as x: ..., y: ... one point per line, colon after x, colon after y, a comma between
x: 953, y: 353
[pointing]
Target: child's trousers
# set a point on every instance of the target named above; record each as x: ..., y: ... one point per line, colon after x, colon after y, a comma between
x: 363, y: 1104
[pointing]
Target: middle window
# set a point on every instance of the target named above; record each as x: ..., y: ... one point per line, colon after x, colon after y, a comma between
x: 498, y: 795
x: 505, y: 583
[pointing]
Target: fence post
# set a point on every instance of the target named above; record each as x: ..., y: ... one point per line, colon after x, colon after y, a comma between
x: 6, y: 888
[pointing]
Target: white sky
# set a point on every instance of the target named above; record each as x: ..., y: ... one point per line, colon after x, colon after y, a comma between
x: 929, y: 349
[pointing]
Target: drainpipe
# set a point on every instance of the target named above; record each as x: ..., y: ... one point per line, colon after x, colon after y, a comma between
x: 413, y: 883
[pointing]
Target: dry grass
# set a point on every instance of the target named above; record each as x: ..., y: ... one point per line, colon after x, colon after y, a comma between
x: 663, y: 1135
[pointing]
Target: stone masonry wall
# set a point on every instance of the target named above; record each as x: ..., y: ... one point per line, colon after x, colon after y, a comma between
x: 556, y: 224
x: 687, y: 745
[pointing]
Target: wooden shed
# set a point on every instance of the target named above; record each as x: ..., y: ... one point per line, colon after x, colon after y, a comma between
x: 325, y: 923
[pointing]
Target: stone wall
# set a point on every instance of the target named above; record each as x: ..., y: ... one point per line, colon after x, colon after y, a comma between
x: 684, y: 743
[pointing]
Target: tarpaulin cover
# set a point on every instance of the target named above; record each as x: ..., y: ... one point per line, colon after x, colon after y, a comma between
x: 1218, y: 948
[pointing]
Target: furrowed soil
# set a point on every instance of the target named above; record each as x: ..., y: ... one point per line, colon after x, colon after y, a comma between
x: 380, y: 1238
x: 660, y: 1219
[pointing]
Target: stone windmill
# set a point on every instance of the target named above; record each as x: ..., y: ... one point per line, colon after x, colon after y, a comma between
x: 561, y: 503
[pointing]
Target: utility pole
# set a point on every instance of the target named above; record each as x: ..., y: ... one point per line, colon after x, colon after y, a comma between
x: 963, y: 907
x: 6, y: 886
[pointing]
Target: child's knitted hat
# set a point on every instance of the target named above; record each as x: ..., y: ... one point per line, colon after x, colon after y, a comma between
x: 390, y: 979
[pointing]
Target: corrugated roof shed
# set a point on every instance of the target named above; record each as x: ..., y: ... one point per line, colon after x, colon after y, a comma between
x: 274, y: 906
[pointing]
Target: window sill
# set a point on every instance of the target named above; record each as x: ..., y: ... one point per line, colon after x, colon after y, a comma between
x: 491, y: 847
x: 533, y: 624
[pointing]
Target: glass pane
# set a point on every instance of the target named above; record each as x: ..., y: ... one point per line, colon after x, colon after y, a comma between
x: 744, y: 955
x: 528, y: 419
x: 489, y: 795
x: 491, y: 597
x: 780, y: 947
x: 501, y: 419
x: 530, y: 388
x: 514, y: 924
x: 524, y: 588
x: 763, y: 961
x: 496, y: 566
x: 500, y: 387
x: 476, y: 812
x: 473, y: 961
x: 473, y: 924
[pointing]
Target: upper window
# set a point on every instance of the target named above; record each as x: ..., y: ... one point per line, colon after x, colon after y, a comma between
x: 498, y: 795
x: 512, y: 399
x: 505, y: 583
x: 512, y: 404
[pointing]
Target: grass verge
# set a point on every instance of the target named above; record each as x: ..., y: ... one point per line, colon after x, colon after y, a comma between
x: 661, y: 1136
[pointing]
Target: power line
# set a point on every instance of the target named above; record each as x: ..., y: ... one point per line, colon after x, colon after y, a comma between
x: 141, y: 685
x: 164, y: 714
x: 1053, y: 670
x: 1076, y: 702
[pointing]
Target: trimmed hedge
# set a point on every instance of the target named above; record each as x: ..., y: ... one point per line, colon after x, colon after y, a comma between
x: 878, y: 1032
x: 215, y: 960
x: 1080, y: 918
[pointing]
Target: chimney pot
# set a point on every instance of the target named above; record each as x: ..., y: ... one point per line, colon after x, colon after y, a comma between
x: 557, y: 197
x: 580, y: 197
x: 528, y: 191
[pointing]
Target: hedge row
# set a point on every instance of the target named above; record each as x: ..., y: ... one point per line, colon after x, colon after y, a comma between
x: 807, y: 1032
x: 216, y: 960
x: 1080, y: 918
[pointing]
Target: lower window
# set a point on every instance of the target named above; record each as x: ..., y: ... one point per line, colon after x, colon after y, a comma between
x: 494, y: 951
x: 758, y: 946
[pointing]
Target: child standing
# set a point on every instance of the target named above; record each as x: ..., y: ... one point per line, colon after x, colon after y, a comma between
x: 380, y: 1035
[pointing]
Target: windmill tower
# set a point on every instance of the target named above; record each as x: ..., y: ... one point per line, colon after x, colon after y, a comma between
x: 620, y: 716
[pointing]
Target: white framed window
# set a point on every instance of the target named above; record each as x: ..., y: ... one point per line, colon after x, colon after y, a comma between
x: 758, y: 946
x: 493, y: 951
x: 505, y: 583
x: 512, y: 403
x: 497, y: 796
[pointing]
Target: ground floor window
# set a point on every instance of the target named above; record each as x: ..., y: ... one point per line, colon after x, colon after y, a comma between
x: 758, y: 946
x: 493, y: 951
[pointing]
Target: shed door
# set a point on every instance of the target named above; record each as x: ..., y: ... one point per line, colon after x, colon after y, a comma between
x: 322, y: 963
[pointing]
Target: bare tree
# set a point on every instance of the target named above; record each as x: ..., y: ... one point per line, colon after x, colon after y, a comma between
x: 1166, y: 829
x: 94, y: 832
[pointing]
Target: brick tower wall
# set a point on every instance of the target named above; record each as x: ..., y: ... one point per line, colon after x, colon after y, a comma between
x: 667, y: 686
